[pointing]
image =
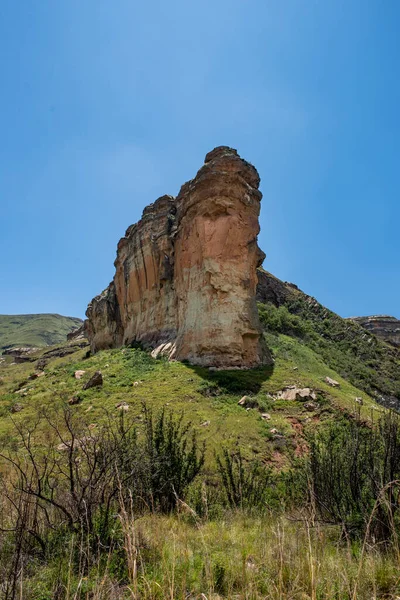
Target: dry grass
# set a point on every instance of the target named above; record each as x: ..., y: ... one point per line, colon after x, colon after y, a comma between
x: 238, y: 557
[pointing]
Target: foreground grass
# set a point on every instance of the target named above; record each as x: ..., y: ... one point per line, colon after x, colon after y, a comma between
x: 235, y: 557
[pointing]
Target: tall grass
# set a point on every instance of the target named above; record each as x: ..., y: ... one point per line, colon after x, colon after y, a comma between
x: 239, y: 557
x: 61, y: 539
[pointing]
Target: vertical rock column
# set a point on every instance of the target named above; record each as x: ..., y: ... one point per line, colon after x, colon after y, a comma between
x: 216, y: 257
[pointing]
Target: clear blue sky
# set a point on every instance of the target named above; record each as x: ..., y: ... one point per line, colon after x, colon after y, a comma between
x: 105, y: 106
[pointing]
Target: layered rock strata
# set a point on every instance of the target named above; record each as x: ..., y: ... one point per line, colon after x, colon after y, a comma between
x: 383, y: 326
x: 185, y: 280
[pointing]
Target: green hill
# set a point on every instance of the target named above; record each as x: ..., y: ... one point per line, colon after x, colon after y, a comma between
x: 35, y: 330
x: 248, y: 525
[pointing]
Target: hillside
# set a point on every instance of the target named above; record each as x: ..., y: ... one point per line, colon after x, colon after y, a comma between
x: 35, y: 330
x: 184, y: 554
x: 358, y: 355
x: 243, y: 518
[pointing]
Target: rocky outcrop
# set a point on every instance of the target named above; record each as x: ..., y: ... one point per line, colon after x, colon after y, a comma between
x: 185, y: 280
x: 273, y: 290
x: 77, y: 334
x: 20, y: 355
x: 384, y: 327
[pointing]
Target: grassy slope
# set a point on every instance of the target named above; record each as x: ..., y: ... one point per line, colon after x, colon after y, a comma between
x: 236, y: 556
x: 359, y: 356
x: 35, y: 330
x: 202, y: 395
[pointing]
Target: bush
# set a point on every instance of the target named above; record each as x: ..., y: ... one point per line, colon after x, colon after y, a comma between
x: 355, y: 476
x: 245, y: 485
x: 83, y: 479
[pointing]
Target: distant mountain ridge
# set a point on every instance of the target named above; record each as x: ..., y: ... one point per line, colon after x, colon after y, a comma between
x: 36, y: 330
x: 383, y: 326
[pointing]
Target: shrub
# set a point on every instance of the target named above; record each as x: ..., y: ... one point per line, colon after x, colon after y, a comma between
x: 355, y: 476
x: 245, y: 485
x: 84, y: 478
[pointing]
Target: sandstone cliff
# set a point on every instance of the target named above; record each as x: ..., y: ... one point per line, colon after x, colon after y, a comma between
x: 384, y: 327
x: 185, y: 280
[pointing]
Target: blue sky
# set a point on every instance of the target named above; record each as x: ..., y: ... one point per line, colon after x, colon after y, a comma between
x: 107, y: 105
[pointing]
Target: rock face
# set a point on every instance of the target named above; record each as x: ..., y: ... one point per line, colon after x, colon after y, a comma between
x: 385, y: 327
x: 185, y: 280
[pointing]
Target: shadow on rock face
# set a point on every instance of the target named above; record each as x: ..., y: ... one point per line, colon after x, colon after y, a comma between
x: 247, y: 381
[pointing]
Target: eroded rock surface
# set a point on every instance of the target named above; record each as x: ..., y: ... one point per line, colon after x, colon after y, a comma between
x: 185, y: 280
x: 383, y: 326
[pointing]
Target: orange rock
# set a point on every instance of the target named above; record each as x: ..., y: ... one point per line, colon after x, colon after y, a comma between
x: 185, y: 280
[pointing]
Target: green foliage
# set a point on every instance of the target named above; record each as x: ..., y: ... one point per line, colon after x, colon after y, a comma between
x: 35, y: 330
x: 280, y: 320
x: 245, y: 485
x: 355, y: 476
x: 170, y: 459
x: 357, y: 355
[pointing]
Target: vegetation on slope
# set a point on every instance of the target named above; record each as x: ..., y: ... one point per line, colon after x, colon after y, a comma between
x: 35, y: 330
x: 359, y: 356
x: 123, y: 459
x: 110, y: 498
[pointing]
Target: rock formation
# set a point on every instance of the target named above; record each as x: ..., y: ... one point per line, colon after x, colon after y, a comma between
x: 384, y: 327
x: 185, y: 280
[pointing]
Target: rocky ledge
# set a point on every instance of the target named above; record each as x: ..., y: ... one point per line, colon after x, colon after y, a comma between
x: 185, y: 279
x: 383, y: 326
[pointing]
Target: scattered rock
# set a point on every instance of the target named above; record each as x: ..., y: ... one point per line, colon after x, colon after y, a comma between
x: 74, y: 400
x: 123, y: 406
x: 205, y: 424
x: 291, y: 392
x: 63, y: 447
x: 273, y: 431
x: 79, y: 374
x: 95, y: 381
x: 248, y: 402
x: 77, y: 334
x: 42, y: 363
x: 310, y: 406
x: 17, y: 408
x: 332, y: 382
x: 33, y: 376
x: 265, y: 416
x: 359, y: 400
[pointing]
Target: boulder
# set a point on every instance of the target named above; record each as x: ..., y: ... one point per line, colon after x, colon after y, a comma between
x: 74, y: 400
x: 122, y: 406
x: 95, y: 381
x: 332, y: 382
x: 310, y: 406
x: 248, y: 402
x: 293, y: 392
x: 79, y: 374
